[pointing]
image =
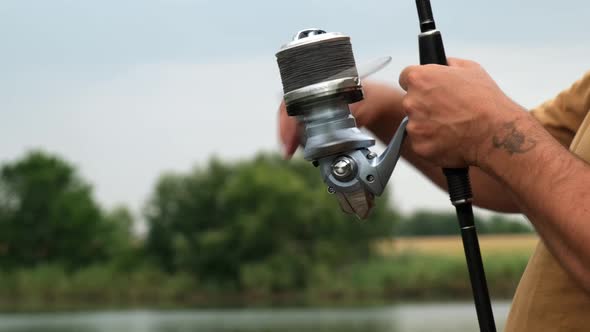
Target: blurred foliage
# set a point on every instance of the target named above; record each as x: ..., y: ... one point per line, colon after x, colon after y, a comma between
x: 431, y: 223
x: 48, y: 215
x: 260, y: 223
x: 407, y: 276
x: 418, y: 276
x: 229, y: 232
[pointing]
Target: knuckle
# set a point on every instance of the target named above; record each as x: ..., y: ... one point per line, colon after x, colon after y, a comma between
x: 408, y: 105
x: 413, y: 77
x: 411, y: 128
x: 424, y: 150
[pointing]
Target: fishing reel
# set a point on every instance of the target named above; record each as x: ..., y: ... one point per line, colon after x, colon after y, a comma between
x: 320, y: 81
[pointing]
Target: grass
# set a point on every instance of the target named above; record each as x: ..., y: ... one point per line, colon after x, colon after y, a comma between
x: 418, y: 277
x: 420, y: 268
x: 491, y: 245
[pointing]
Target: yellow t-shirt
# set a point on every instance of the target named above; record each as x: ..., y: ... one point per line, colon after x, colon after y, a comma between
x: 547, y: 298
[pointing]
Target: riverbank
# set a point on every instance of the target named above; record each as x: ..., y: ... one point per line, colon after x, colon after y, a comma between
x: 403, y: 277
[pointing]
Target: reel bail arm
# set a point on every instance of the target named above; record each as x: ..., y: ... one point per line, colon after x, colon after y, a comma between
x: 357, y: 176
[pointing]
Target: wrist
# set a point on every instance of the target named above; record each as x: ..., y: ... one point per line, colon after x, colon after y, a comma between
x: 515, y: 134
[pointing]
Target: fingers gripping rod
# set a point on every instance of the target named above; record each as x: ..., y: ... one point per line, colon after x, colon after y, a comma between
x: 432, y: 52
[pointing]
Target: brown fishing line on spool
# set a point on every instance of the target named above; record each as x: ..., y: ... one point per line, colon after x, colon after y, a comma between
x: 316, y: 62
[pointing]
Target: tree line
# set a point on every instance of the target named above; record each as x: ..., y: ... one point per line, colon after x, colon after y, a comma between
x: 261, y: 223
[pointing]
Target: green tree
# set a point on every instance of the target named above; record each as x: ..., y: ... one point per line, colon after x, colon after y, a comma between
x: 48, y: 215
x: 428, y: 223
x: 502, y: 225
x: 263, y: 223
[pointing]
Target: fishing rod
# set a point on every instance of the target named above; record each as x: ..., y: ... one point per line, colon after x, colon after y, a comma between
x: 432, y: 51
x: 320, y: 80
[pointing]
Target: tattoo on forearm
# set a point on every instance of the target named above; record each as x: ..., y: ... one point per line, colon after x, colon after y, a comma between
x: 513, y: 140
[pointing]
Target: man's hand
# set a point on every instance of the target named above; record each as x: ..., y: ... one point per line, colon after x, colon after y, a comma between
x: 459, y: 117
x: 453, y: 111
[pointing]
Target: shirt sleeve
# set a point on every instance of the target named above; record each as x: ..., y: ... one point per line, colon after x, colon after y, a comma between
x: 563, y: 115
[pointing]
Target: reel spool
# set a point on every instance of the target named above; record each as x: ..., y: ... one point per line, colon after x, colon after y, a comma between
x: 318, y: 66
x: 320, y: 80
x: 315, y: 56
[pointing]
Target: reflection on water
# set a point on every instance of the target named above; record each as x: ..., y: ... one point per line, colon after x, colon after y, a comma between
x: 441, y: 317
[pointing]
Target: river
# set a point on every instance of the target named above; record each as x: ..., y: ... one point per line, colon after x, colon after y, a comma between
x: 423, y: 317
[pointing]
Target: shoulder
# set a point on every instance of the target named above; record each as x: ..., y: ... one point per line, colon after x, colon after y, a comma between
x: 563, y: 115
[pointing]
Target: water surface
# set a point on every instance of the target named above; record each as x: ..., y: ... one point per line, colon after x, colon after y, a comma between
x: 440, y: 317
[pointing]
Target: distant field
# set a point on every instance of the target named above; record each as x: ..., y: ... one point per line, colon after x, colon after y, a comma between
x: 452, y: 245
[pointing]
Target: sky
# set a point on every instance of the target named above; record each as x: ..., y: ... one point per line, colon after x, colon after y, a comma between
x: 127, y: 90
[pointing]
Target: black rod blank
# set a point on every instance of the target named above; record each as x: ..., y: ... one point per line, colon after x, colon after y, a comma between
x: 432, y: 52
x: 479, y: 285
x: 425, y: 15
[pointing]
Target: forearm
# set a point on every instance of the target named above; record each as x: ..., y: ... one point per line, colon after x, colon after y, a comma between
x: 488, y: 193
x: 550, y: 185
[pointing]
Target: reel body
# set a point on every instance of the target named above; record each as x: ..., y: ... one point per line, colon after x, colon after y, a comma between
x: 320, y: 81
